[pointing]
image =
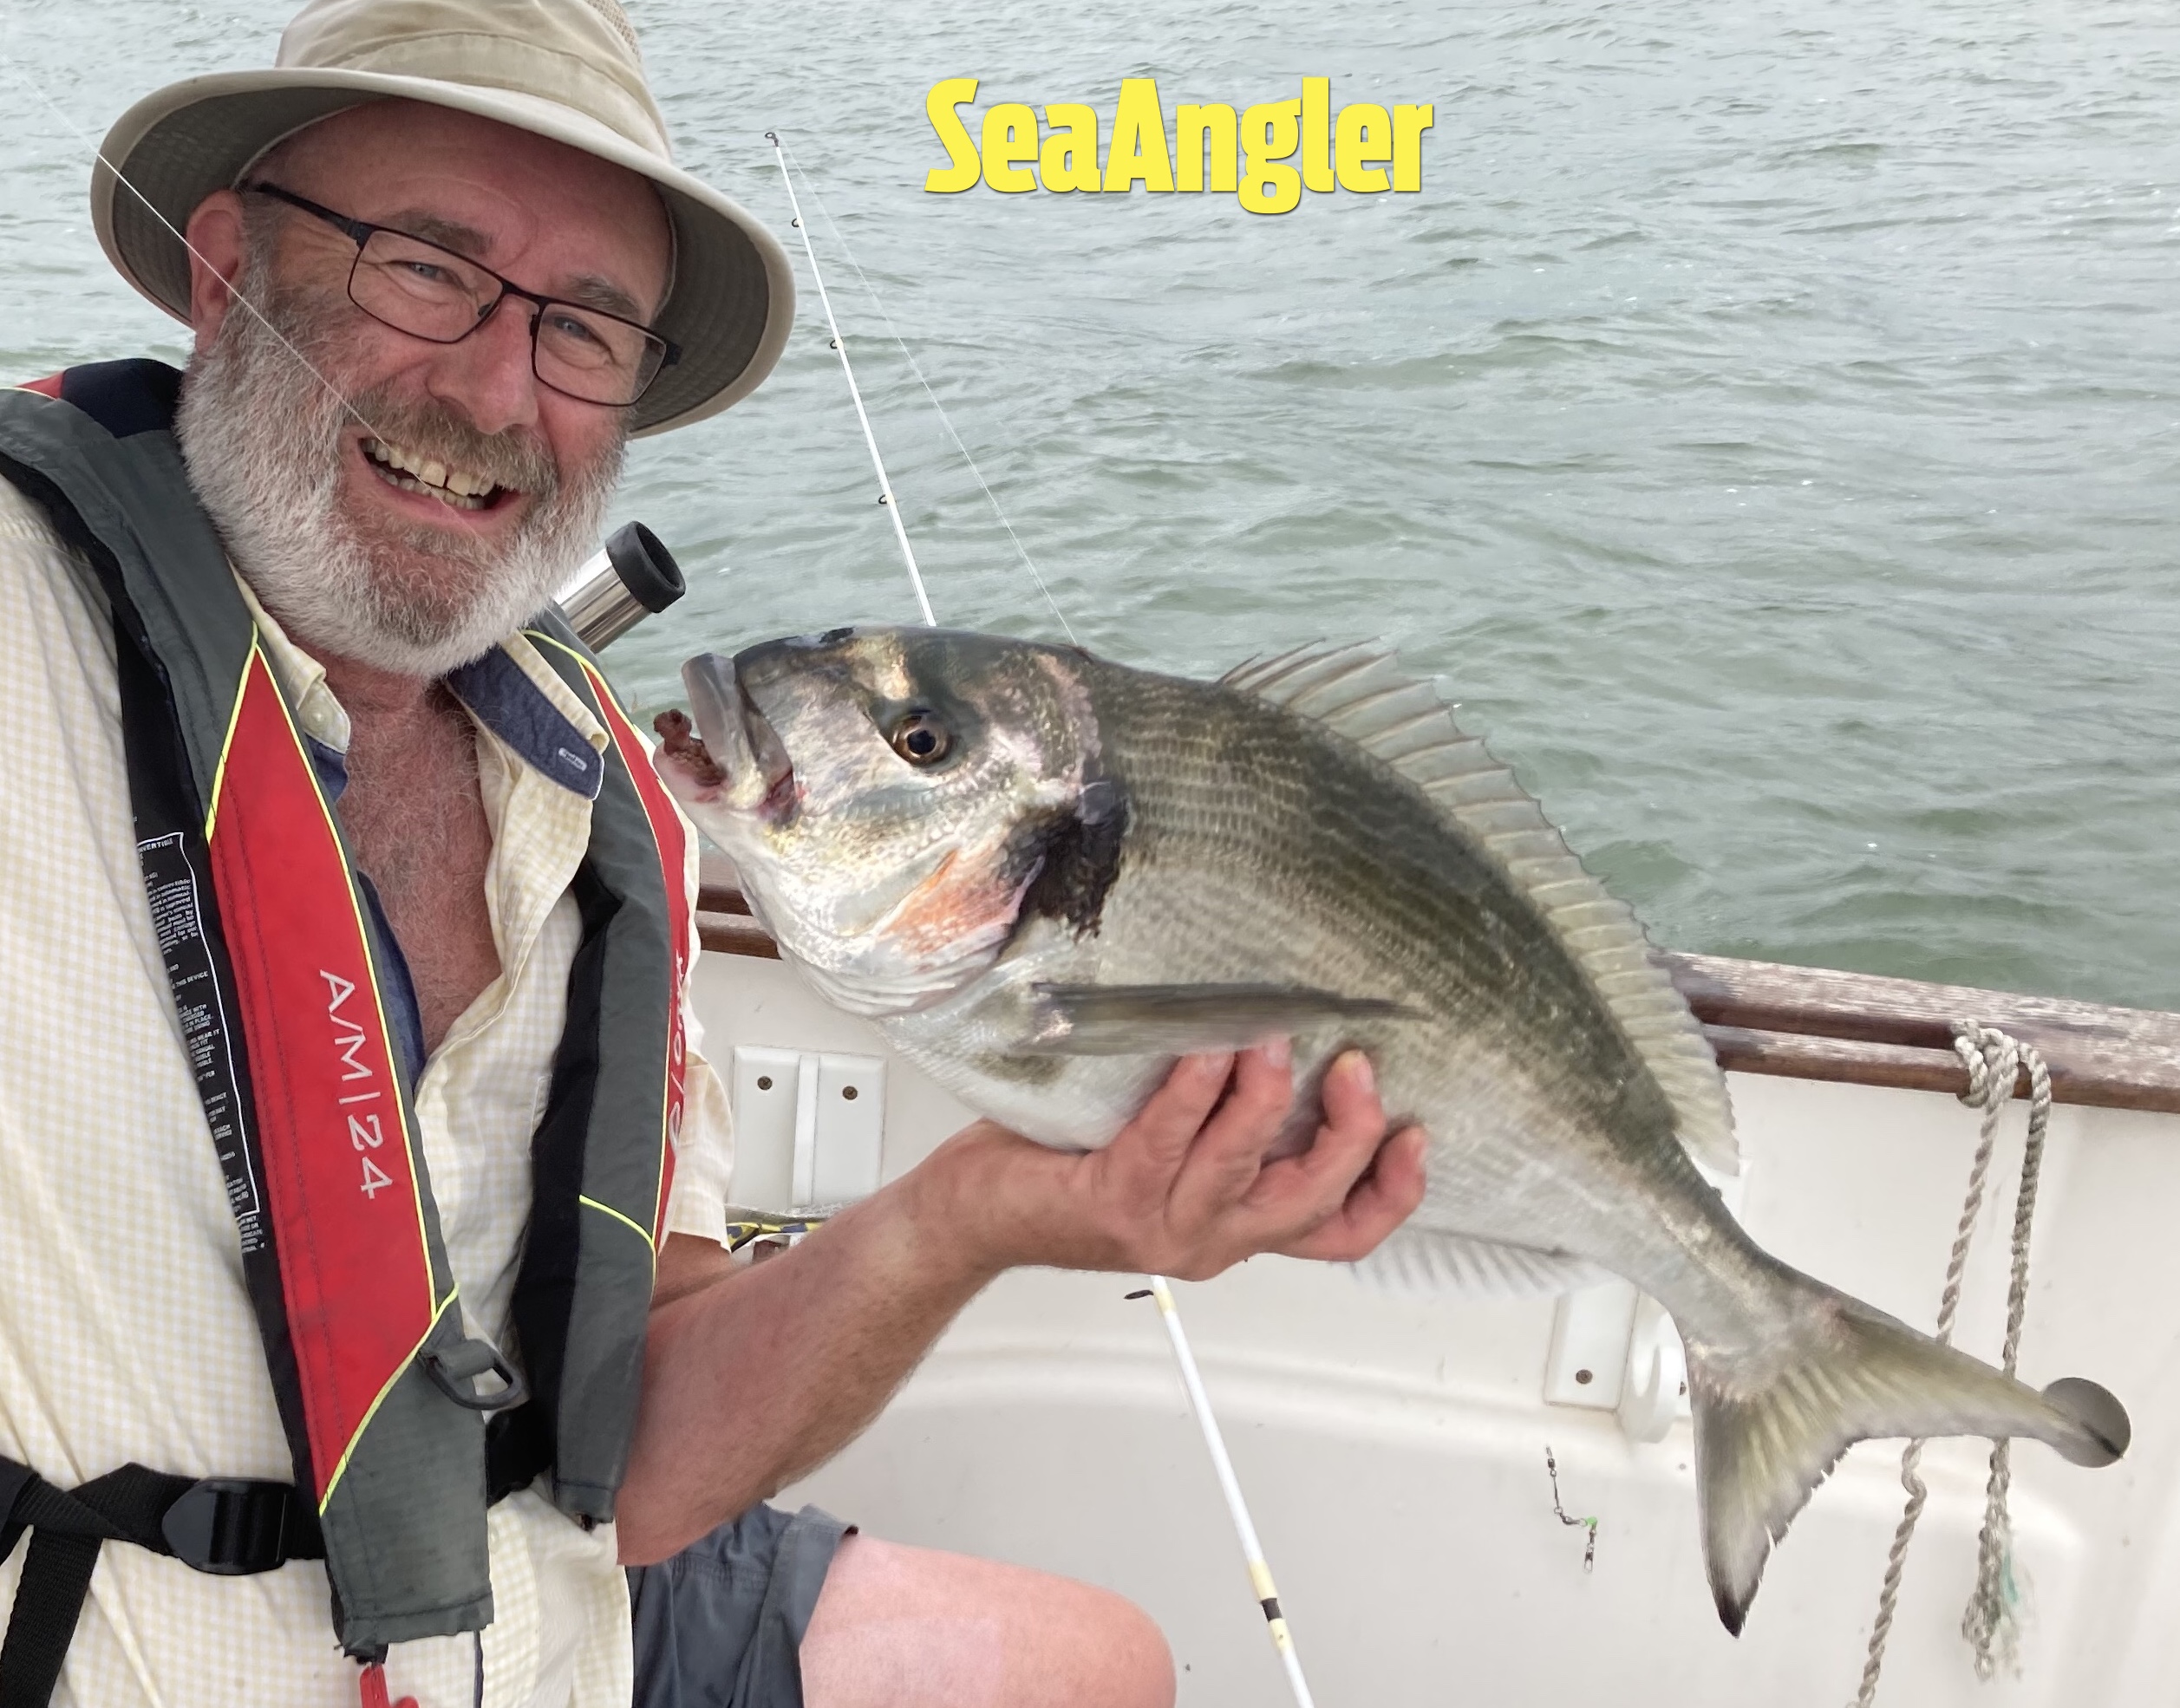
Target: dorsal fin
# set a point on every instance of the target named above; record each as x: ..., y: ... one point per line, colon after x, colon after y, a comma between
x: 1360, y: 691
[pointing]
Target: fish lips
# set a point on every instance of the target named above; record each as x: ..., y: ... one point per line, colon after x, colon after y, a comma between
x: 760, y: 776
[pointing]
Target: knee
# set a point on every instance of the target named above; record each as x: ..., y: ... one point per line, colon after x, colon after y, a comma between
x: 1133, y: 1667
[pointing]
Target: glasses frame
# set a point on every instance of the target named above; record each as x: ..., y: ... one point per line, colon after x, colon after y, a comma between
x: 360, y: 232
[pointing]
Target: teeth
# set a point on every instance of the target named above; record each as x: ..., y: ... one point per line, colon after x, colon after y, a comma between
x: 454, y: 486
x: 454, y: 500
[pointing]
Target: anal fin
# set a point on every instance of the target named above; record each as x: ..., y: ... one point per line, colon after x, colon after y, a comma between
x: 1422, y: 1262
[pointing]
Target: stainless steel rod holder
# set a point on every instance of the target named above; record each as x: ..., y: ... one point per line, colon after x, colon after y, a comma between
x: 635, y: 576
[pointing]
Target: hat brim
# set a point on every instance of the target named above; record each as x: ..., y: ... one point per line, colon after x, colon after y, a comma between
x: 730, y: 307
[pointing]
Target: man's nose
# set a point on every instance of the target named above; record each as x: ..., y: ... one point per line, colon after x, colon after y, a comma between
x: 489, y: 376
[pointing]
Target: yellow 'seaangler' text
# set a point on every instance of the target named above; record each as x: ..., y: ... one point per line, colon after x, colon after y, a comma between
x: 1366, y: 149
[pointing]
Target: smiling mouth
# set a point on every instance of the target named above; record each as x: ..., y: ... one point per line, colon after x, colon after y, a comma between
x: 411, y: 472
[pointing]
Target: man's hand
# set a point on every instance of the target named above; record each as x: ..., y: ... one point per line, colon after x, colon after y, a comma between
x: 755, y: 1376
x: 1184, y: 1189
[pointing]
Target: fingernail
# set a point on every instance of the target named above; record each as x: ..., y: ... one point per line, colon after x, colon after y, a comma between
x: 1366, y: 1076
x: 1278, y: 1051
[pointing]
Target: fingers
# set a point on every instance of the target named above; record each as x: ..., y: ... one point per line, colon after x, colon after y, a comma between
x: 1380, y: 1201
x: 1221, y: 1166
x: 1284, y: 1203
x: 1158, y: 1138
x: 1183, y: 1190
x: 1298, y: 1190
x: 1351, y: 1094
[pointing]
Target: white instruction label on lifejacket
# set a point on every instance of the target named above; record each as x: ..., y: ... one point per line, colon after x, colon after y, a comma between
x: 171, y: 883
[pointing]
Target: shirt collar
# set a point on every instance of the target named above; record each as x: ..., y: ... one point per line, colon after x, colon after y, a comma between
x: 522, y: 700
x: 512, y: 691
x: 302, y: 678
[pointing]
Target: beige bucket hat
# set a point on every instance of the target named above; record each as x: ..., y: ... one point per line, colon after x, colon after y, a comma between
x: 566, y: 70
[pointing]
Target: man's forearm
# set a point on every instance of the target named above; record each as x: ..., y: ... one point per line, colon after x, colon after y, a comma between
x: 753, y: 1377
x: 763, y: 1375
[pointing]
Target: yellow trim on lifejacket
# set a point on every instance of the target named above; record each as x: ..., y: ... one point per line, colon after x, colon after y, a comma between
x: 379, y: 1398
x: 555, y: 641
x: 611, y: 706
x: 409, y: 1146
x: 227, y: 741
x: 595, y: 678
x: 642, y: 1232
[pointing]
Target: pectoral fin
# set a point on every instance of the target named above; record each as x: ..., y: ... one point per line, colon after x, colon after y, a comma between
x: 1153, y: 1019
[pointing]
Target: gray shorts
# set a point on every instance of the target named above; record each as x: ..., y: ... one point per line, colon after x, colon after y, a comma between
x: 720, y: 1624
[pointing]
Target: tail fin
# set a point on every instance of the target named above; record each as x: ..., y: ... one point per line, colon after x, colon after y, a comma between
x: 1771, y: 1424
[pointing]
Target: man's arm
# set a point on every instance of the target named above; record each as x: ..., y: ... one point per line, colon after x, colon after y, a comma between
x: 756, y: 1375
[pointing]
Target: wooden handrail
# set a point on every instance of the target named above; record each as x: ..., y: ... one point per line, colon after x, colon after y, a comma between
x: 1815, y: 1023
x: 1812, y: 1022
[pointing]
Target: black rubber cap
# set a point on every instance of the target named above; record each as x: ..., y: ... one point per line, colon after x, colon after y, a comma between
x: 646, y: 568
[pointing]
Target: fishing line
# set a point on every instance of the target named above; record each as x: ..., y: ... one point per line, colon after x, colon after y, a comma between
x: 840, y: 347
x: 945, y: 419
x: 1260, y: 1577
x: 16, y: 71
x: 1260, y: 1574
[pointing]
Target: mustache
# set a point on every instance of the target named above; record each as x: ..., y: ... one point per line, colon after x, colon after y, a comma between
x: 512, y: 458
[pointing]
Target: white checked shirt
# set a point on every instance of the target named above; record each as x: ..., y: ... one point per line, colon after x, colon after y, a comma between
x: 126, y: 1331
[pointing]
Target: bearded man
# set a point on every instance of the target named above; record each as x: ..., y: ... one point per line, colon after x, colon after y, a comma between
x: 363, y: 1312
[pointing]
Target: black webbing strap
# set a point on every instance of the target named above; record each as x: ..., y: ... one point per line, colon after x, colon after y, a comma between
x: 225, y: 1525
x: 518, y: 1445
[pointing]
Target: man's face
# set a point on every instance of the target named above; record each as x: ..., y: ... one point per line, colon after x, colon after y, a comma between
x: 308, y: 473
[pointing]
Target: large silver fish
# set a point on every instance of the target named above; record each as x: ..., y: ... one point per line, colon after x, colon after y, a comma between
x: 1045, y: 876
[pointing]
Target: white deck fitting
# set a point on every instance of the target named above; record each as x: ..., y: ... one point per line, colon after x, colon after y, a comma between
x: 1393, y: 1449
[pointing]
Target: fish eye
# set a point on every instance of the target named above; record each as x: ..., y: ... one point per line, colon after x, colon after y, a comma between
x: 920, y: 738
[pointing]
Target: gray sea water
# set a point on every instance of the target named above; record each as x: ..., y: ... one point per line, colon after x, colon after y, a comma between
x: 1764, y: 421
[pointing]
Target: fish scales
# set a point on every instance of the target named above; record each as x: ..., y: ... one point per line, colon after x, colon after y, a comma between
x: 1045, y: 876
x: 1270, y: 849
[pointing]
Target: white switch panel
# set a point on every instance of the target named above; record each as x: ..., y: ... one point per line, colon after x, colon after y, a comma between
x: 850, y: 1127
x: 764, y: 1104
x: 809, y: 1128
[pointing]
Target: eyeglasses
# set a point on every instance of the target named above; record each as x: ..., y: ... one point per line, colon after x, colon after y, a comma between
x: 433, y: 294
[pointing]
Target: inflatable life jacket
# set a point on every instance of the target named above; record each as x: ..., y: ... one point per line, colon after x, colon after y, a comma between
x: 279, y: 963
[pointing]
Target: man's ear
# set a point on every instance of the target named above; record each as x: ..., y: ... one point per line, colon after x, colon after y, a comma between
x: 216, y: 245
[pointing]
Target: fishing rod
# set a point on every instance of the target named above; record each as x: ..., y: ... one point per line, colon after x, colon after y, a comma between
x: 1260, y: 1577
x: 1265, y: 1592
x: 1260, y: 1573
x: 915, y: 367
x: 840, y: 346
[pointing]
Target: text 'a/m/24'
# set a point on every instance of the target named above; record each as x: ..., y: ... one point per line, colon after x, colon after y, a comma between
x: 1212, y: 148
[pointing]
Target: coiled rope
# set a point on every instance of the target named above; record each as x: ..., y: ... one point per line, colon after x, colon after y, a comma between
x: 1994, y: 1060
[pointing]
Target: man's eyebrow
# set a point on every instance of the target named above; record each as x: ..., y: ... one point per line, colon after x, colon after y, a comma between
x: 592, y: 290
x: 437, y: 228
x: 585, y: 291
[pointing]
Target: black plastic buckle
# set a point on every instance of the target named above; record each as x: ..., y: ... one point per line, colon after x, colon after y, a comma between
x: 230, y: 1526
x: 455, y: 1370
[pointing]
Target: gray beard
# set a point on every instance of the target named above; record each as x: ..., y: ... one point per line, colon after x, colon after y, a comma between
x: 260, y: 435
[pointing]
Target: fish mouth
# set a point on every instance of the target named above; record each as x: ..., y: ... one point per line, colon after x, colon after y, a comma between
x: 736, y: 757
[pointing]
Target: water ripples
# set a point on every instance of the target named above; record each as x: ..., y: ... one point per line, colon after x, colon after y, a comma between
x: 1764, y: 422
